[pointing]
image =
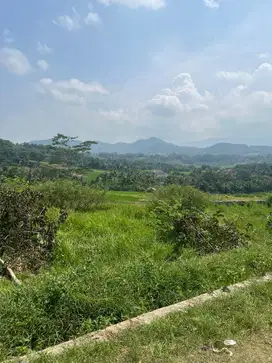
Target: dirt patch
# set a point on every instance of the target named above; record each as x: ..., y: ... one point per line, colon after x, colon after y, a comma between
x: 256, y: 349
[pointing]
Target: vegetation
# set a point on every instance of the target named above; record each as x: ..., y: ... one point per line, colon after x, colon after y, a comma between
x: 245, y: 317
x: 104, y: 265
x: 108, y: 266
x: 27, y: 233
x: 67, y: 194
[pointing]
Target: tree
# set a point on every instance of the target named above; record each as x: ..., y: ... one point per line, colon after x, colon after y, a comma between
x: 68, y: 142
x: 63, y: 140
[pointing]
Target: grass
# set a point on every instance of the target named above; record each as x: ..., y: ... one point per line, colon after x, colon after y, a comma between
x: 244, y: 316
x: 241, y: 197
x: 128, y: 197
x: 108, y: 266
x: 93, y: 174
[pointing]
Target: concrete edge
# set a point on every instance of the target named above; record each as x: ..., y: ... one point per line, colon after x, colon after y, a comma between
x: 144, y: 319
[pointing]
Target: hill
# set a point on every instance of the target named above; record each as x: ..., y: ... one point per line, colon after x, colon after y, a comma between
x: 155, y: 145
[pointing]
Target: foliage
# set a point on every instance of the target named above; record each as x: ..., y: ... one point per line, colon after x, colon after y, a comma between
x: 269, y: 201
x: 27, y: 233
x: 107, y: 267
x: 69, y: 194
x: 244, y: 316
x: 192, y: 228
x: 69, y: 142
x: 127, y: 180
x: 132, y: 172
x: 188, y: 196
x: 180, y: 217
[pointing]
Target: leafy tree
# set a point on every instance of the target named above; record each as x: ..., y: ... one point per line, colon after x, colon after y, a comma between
x: 68, y: 142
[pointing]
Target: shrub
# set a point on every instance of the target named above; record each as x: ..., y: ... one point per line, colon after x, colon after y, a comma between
x: 27, y: 233
x: 188, y: 196
x: 189, y: 227
x: 269, y: 201
x: 68, y: 194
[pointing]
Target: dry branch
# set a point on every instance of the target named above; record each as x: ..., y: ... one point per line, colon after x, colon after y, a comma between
x: 8, y: 272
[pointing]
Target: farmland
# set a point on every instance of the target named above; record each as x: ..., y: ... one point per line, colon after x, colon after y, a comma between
x: 89, y: 255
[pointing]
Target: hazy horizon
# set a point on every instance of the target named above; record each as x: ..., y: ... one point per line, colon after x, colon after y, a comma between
x: 124, y: 70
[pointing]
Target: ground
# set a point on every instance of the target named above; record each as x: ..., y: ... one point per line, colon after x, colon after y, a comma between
x: 245, y: 317
x: 109, y: 266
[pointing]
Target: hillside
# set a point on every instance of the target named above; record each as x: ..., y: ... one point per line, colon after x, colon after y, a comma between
x: 154, y: 145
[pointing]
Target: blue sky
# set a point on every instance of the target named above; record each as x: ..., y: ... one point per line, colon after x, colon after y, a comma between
x: 120, y: 70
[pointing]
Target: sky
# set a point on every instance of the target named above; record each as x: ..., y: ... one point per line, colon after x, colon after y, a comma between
x: 122, y: 70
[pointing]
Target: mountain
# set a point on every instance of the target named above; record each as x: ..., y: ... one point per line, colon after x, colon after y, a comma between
x: 144, y: 146
x: 158, y: 146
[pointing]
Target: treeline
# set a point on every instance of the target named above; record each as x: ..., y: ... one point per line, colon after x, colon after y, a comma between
x: 245, y: 178
x: 30, y: 154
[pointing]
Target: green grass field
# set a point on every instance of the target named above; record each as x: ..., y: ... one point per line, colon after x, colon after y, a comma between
x: 108, y: 266
x: 128, y: 197
x: 93, y: 174
x: 245, y: 317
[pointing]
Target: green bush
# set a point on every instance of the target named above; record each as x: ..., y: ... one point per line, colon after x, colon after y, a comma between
x: 188, y: 196
x: 269, y: 201
x: 189, y: 227
x: 27, y: 233
x: 68, y: 194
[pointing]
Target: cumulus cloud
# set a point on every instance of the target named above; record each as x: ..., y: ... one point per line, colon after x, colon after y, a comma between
x: 8, y: 39
x: 76, y: 21
x: 15, y: 61
x: 264, y: 55
x: 183, y: 96
x: 68, y: 22
x: 119, y: 115
x: 92, y: 19
x: 43, y: 65
x: 44, y: 48
x: 240, y: 77
x: 70, y: 91
x: 183, y: 107
x: 213, y: 4
x: 151, y: 4
x: 165, y: 105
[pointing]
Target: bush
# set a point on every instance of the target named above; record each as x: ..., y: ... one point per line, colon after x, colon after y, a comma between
x: 68, y: 194
x: 188, y: 196
x: 189, y: 227
x: 269, y: 201
x: 27, y: 233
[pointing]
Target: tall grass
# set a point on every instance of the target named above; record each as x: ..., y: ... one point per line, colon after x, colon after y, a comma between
x: 67, y: 194
x: 108, y: 266
x: 244, y: 316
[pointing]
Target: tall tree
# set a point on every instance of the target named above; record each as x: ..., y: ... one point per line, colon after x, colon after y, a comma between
x: 67, y: 142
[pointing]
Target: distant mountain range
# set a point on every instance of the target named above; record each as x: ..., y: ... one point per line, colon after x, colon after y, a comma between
x: 158, y: 146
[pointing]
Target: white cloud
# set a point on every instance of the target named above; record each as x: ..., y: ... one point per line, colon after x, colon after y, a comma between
x: 240, y: 77
x: 43, y: 65
x: 213, y: 4
x: 264, y: 55
x: 77, y: 85
x: 119, y: 116
x: 92, y: 19
x: 15, y: 61
x: 8, y: 39
x: 75, y: 21
x: 183, y: 96
x: 68, y: 22
x: 44, y: 48
x: 165, y: 105
x: 151, y: 4
x: 71, y: 91
x: 184, y: 108
x: 264, y: 67
x: 71, y: 98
